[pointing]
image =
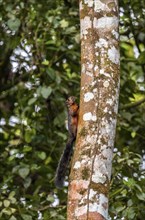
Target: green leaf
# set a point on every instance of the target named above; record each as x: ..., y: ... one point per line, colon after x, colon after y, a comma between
x: 14, y: 24
x: 50, y: 198
x: 131, y: 213
x: 12, y: 218
x: 62, y: 135
x: 124, y: 192
x: 127, y: 115
x: 12, y: 194
x: 14, y: 142
x: 61, y: 217
x: 133, y: 134
x: 27, y: 148
x: 70, y: 30
x: 38, y: 91
x: 9, y: 7
x: 130, y: 182
x: 42, y: 155
x: 141, y: 58
x: 23, y: 172
x: 53, y: 213
x: 29, y: 135
x: 27, y: 182
x: 64, y: 23
x: 141, y: 196
x: 7, y: 211
x: 129, y: 202
x: 46, y: 91
x: 48, y: 160
x: 129, y: 162
x: 6, y: 203
x: 13, y: 200
x: 51, y: 73
x: 45, y: 62
x: 120, y: 208
x: 26, y: 217
x: 31, y: 101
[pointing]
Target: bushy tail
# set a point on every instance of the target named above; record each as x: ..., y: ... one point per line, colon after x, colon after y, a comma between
x: 63, y: 163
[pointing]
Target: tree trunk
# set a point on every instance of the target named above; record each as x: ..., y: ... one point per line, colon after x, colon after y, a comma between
x: 92, y: 161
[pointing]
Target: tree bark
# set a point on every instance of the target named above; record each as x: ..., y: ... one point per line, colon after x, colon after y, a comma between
x: 92, y: 161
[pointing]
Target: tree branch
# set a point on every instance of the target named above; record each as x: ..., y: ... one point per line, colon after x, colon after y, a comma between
x: 133, y: 104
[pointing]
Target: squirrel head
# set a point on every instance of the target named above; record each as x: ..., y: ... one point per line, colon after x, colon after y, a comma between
x: 71, y: 100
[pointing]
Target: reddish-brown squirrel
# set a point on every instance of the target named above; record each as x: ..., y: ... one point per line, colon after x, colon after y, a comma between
x: 73, y: 110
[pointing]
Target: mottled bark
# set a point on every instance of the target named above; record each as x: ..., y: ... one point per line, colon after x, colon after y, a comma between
x: 92, y: 161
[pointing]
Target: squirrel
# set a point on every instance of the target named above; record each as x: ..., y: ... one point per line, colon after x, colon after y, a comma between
x: 73, y: 110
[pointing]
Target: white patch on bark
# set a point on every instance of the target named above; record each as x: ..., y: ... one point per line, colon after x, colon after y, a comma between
x: 91, y: 139
x: 113, y: 55
x: 86, y: 23
x: 96, y: 68
x: 81, y: 210
x: 77, y: 165
x: 101, y: 169
x: 115, y: 34
x: 89, y: 73
x: 84, y: 157
x: 89, y: 2
x: 107, y: 126
x: 99, y: 6
x: 95, y: 90
x: 101, y: 43
x: 105, y: 74
x: 101, y: 71
x: 103, y: 147
x: 116, y: 107
x: 86, y: 162
x: 100, y: 205
x: 107, y: 153
x: 98, y: 177
x: 89, y: 117
x: 108, y: 130
x: 105, y: 109
x: 97, y: 54
x: 106, y: 84
x: 105, y: 23
x: 83, y: 68
x: 90, y: 66
x: 109, y: 101
x: 94, y: 117
x: 93, y: 83
x: 92, y: 193
x: 88, y: 96
x: 83, y: 200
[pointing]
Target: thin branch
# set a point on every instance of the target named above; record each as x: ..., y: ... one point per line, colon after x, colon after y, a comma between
x: 133, y: 104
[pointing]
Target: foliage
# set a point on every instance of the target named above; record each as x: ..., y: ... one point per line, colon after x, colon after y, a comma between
x: 39, y: 68
x: 127, y: 198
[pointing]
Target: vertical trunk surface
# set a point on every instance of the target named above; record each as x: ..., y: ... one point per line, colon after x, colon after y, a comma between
x: 92, y: 161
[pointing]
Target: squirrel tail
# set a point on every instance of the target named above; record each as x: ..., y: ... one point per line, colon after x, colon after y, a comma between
x: 63, y: 163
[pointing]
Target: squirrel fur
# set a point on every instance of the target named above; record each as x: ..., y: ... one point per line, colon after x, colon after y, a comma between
x: 73, y: 110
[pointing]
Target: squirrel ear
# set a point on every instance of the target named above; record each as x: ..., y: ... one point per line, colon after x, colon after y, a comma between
x: 73, y: 98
